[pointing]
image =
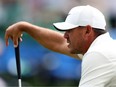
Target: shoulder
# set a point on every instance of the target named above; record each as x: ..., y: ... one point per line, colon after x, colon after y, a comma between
x: 95, y: 58
x: 97, y: 69
x: 103, y: 44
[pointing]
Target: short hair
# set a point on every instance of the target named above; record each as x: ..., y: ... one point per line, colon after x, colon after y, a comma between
x: 99, y: 31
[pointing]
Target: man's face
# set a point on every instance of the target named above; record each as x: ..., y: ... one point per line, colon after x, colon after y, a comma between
x: 75, y: 38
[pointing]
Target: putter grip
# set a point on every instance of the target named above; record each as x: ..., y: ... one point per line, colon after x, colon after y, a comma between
x: 17, y: 54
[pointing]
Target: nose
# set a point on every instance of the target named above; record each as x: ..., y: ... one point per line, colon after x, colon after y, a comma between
x: 66, y: 36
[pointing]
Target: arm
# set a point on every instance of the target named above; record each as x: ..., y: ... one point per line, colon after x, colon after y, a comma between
x: 48, y: 38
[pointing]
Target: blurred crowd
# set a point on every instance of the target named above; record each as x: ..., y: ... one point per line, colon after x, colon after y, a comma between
x: 45, y: 12
x: 40, y: 66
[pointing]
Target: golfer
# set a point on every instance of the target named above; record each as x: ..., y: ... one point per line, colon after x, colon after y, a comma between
x: 85, y: 34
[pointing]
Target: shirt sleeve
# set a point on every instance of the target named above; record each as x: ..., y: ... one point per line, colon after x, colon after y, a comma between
x: 97, y: 70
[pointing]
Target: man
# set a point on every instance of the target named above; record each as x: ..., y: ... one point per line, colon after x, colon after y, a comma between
x: 84, y: 34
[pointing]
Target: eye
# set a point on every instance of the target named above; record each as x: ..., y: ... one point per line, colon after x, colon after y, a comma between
x: 68, y: 31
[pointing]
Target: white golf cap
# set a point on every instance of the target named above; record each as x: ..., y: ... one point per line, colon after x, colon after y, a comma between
x: 82, y: 16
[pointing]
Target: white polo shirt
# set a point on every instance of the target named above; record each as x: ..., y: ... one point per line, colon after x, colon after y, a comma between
x: 99, y: 63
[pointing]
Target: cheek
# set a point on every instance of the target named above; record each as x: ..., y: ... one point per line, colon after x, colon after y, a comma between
x: 79, y: 42
x: 75, y: 42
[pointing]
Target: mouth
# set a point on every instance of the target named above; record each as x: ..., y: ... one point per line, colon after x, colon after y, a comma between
x: 68, y: 41
x: 68, y: 45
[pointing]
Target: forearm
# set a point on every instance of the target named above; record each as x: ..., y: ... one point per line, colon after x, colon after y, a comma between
x: 48, y: 38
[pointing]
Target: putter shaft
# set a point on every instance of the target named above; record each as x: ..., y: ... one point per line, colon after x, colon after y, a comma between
x: 17, y: 55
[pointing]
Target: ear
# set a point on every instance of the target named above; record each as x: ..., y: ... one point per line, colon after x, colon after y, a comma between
x: 88, y: 30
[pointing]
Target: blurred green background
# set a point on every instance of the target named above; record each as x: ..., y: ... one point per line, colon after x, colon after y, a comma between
x: 40, y: 66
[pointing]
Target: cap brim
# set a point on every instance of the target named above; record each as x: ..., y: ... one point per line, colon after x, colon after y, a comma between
x: 63, y: 26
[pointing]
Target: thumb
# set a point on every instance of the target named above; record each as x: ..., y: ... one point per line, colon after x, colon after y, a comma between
x: 15, y: 41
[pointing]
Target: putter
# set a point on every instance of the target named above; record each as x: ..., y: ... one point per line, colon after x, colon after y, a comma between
x: 17, y: 55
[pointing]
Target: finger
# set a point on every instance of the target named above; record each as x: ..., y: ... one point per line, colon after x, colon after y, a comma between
x: 17, y: 38
x: 21, y: 39
x: 21, y: 35
x: 6, y: 39
x: 15, y: 41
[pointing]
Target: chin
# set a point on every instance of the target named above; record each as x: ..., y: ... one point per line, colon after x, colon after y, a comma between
x: 73, y: 52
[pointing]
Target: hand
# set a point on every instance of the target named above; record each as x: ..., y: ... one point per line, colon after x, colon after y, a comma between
x: 14, y: 32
